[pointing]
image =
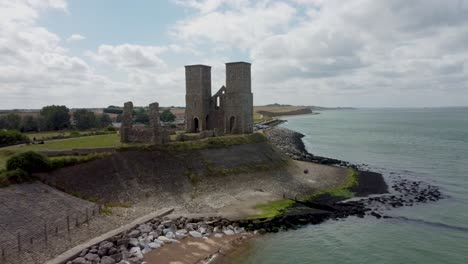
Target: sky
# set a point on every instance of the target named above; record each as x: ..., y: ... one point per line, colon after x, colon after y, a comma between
x: 357, y: 53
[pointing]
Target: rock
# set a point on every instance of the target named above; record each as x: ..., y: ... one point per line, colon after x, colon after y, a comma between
x: 228, y: 232
x: 147, y: 249
x: 218, y: 235
x: 117, y: 256
x: 133, y: 242
x: 182, y: 231
x: 218, y: 229
x: 123, y: 241
x: 239, y: 230
x: 94, y: 258
x: 191, y: 226
x: 195, y: 234
x: 145, y: 228
x: 202, y: 230
x: 107, y: 260
x: 106, y: 244
x: 102, y: 252
x: 135, y: 233
x: 378, y: 216
x: 170, y: 235
x: 136, y: 252
x: 80, y: 260
x: 165, y: 239
x: 167, y: 223
x: 112, y: 251
x: 84, y: 252
x: 123, y: 262
x: 154, y: 245
x: 159, y: 242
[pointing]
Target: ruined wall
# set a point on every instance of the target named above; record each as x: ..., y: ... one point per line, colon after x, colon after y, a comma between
x: 155, y: 134
x: 127, y: 122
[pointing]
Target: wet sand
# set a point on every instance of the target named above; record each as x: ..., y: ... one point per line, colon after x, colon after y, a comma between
x: 197, y: 250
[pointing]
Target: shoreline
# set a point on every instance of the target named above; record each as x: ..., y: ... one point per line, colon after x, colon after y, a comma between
x: 132, y: 244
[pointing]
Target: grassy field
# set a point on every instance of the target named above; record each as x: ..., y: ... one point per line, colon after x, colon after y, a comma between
x: 102, y: 141
x: 258, y: 118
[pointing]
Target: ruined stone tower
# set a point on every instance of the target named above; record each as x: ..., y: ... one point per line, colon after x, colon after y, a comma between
x: 230, y: 110
x: 238, y: 108
x: 198, y: 97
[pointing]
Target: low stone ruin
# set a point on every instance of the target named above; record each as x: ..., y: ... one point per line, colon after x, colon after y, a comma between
x: 155, y: 134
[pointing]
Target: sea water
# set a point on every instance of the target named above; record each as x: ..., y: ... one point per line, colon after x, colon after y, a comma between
x: 430, y: 145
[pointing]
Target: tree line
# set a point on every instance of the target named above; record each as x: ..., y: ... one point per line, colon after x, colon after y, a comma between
x: 54, y: 117
x: 58, y: 117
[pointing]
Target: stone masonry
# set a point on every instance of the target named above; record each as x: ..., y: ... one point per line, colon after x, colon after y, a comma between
x: 155, y: 134
x: 230, y: 110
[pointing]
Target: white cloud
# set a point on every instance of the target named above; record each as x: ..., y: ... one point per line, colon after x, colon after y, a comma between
x: 75, y: 37
x: 130, y: 56
x: 356, y: 52
x: 239, y: 24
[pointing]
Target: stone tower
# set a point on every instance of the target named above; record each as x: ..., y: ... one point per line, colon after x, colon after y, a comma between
x: 238, y: 108
x: 198, y: 97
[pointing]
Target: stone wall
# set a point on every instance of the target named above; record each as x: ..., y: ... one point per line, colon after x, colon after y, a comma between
x: 230, y: 110
x: 153, y: 134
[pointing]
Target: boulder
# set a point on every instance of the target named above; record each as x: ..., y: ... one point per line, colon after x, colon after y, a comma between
x: 218, y: 235
x: 133, y: 242
x: 80, y: 260
x: 134, y: 233
x: 94, y: 258
x: 195, y: 234
x: 145, y: 228
x: 170, y: 235
x: 154, y: 245
x: 136, y: 252
x: 228, y: 232
x: 107, y: 260
x: 146, y: 250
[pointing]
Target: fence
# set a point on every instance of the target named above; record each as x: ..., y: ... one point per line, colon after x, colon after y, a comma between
x: 13, y: 244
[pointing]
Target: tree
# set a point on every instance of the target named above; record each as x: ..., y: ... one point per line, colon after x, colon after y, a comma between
x: 141, y: 116
x: 56, y: 117
x: 10, y: 121
x: 29, y: 123
x: 104, y: 120
x: 167, y: 116
x: 84, y: 119
x: 112, y: 109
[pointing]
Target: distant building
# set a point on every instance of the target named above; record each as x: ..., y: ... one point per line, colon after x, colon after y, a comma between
x: 230, y: 110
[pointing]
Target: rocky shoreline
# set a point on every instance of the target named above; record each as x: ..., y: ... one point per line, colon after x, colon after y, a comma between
x: 130, y: 247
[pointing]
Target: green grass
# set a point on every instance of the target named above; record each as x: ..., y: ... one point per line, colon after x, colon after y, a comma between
x: 352, y: 179
x: 102, y: 141
x: 216, y: 142
x: 258, y: 118
x: 273, y: 209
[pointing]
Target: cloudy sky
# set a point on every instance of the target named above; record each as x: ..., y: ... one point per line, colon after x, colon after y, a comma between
x: 362, y: 53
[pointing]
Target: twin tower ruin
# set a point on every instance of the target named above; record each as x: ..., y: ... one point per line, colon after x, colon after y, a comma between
x: 230, y: 110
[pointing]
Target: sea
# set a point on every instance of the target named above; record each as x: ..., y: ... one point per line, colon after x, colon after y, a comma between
x: 429, y: 145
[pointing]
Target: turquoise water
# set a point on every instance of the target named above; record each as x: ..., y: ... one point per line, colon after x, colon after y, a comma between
x: 426, y: 144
